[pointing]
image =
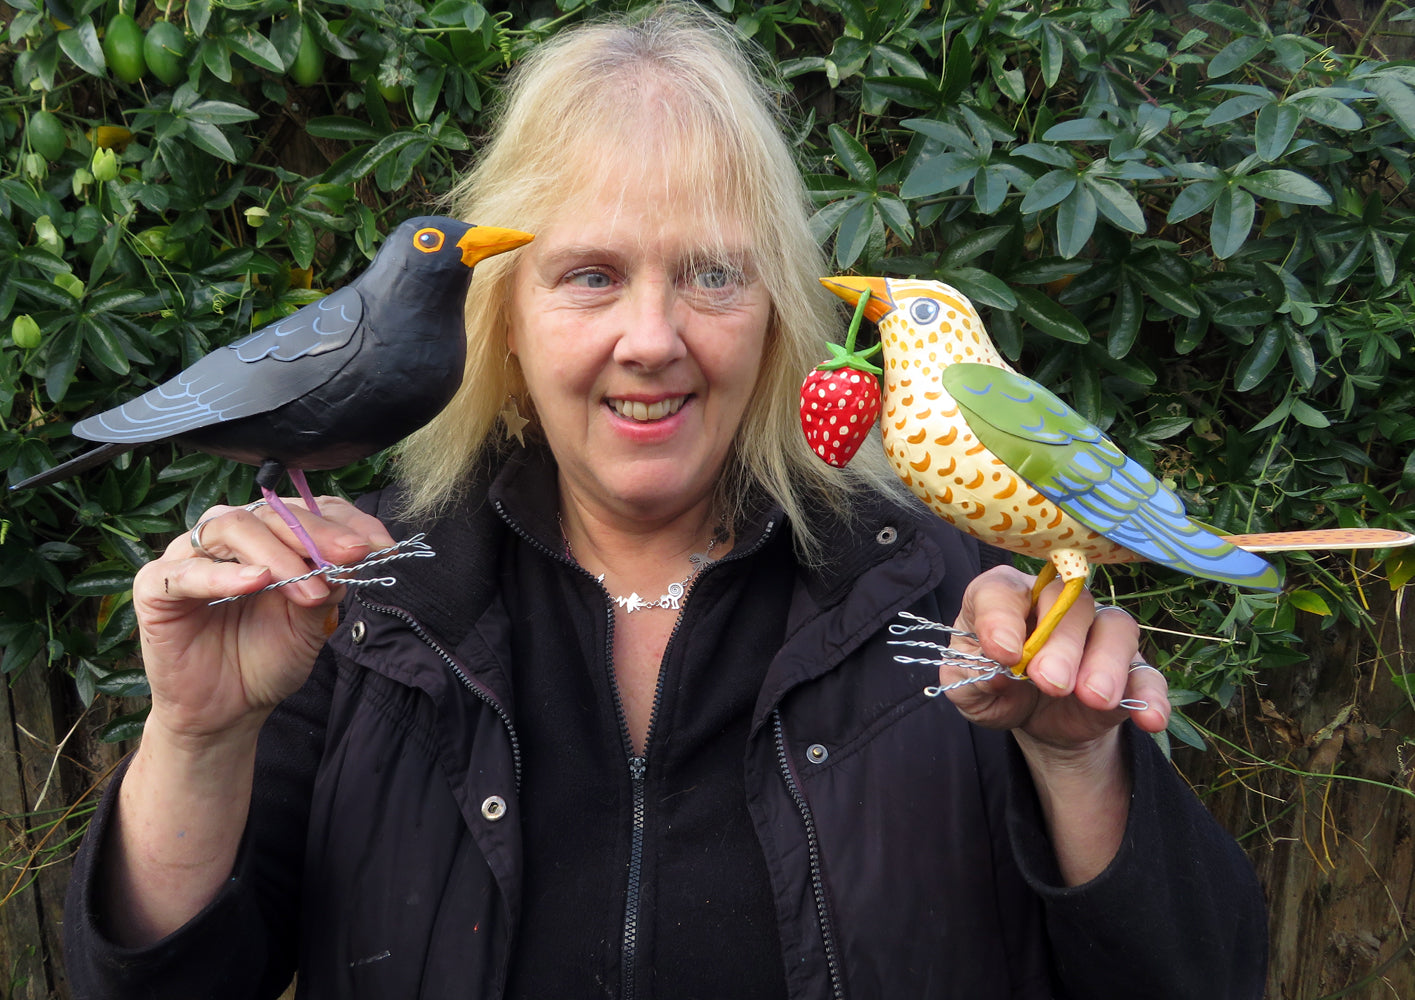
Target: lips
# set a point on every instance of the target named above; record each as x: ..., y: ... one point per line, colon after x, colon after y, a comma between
x: 633, y: 409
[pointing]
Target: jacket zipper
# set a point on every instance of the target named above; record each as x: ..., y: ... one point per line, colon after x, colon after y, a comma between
x: 484, y: 695
x: 832, y: 959
x: 638, y: 763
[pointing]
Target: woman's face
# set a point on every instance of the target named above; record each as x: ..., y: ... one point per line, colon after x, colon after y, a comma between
x: 640, y: 337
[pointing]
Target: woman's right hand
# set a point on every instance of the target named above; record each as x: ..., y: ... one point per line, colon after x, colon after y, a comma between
x: 219, y: 671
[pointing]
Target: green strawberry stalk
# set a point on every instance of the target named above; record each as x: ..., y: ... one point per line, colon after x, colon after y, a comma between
x: 840, y: 398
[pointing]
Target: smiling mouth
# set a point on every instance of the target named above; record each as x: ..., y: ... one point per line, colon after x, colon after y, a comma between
x: 647, y: 412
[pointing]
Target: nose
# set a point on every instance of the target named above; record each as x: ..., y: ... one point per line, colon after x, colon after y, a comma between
x: 652, y: 334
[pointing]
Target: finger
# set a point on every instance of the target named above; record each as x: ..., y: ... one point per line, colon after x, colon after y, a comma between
x: 1057, y: 665
x: 362, y: 524
x: 1111, y: 645
x: 340, y: 533
x: 1145, y: 683
x: 243, y: 535
x: 995, y: 608
x: 166, y: 585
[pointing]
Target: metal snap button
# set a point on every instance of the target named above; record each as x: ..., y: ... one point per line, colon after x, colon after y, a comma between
x: 816, y: 753
x: 357, y: 631
x: 887, y: 536
x: 493, y: 808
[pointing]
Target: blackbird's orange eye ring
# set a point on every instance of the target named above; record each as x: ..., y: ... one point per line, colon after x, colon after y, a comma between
x: 429, y: 240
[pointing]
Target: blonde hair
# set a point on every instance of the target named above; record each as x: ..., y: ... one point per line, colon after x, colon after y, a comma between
x: 675, y: 88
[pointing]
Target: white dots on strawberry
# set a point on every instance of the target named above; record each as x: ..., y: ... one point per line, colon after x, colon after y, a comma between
x: 840, y: 399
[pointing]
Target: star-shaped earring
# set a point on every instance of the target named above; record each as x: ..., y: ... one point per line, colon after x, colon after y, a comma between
x: 513, y: 422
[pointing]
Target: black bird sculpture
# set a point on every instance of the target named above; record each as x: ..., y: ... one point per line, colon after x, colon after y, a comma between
x: 340, y: 379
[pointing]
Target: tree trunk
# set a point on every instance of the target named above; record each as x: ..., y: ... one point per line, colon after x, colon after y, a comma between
x: 1317, y: 777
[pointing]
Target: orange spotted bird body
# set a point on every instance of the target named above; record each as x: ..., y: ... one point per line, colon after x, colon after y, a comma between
x: 1002, y: 458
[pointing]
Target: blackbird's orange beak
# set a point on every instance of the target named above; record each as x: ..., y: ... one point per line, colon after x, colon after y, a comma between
x: 850, y: 289
x: 481, y: 242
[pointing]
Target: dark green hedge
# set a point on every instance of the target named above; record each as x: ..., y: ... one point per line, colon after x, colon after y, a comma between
x: 1197, y: 231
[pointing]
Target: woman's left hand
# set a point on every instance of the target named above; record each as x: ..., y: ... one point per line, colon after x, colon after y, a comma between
x: 1078, y: 678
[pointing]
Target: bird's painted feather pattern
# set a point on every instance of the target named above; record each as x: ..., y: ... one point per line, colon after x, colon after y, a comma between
x: 1071, y: 462
x: 215, y: 389
x: 318, y: 328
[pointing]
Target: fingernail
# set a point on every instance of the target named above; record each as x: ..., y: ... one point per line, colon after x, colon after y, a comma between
x: 251, y: 572
x: 1050, y: 674
x: 315, y: 590
x: 1100, y: 688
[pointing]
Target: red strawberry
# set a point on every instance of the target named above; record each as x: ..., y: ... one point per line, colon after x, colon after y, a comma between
x: 840, y: 399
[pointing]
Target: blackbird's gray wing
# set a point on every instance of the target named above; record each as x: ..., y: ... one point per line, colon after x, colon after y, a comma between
x: 275, y: 365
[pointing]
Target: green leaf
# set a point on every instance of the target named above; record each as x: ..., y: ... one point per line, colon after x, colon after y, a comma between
x: 1397, y: 97
x: 1117, y: 204
x: 1235, y: 55
x: 933, y: 175
x: 1183, y: 730
x: 1168, y: 293
x: 83, y: 48
x: 1049, y: 189
x: 1232, y: 221
x: 1328, y: 111
x: 98, y: 582
x: 1237, y: 107
x: 1285, y: 185
x: 256, y: 48
x: 1045, y: 153
x: 219, y: 112
x: 853, y: 157
x: 342, y: 127
x: 1309, y: 601
x: 1081, y: 130
x: 1304, y: 366
x: 1259, y: 360
x: 1194, y: 199
x: 1075, y: 221
x: 1125, y: 317
x: 1276, y: 125
x: 1046, y: 315
x: 1232, y: 17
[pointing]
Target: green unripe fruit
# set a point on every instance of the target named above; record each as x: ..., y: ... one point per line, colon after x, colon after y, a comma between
x: 46, y: 135
x: 122, y: 47
x: 308, y: 67
x: 104, y: 165
x: 25, y: 332
x: 164, y: 49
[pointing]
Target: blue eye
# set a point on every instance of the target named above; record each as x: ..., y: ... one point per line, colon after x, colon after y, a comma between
x: 924, y: 311
x: 590, y: 279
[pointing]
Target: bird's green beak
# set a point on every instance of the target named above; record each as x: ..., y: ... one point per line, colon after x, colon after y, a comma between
x: 851, y: 289
x: 481, y: 242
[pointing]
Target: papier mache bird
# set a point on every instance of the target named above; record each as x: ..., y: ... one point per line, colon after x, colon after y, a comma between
x: 340, y: 379
x: 1004, y: 459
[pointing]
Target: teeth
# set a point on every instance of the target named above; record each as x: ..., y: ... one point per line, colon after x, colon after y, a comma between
x: 647, y: 411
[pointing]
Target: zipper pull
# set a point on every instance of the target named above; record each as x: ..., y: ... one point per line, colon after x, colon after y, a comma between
x: 637, y: 767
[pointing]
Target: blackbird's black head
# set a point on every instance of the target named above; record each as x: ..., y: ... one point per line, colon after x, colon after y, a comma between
x: 439, y: 243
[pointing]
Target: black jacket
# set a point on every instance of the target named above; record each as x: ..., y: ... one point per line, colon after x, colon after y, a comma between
x: 904, y: 848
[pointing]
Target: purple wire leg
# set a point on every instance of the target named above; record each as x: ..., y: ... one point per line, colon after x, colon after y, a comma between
x: 288, y: 516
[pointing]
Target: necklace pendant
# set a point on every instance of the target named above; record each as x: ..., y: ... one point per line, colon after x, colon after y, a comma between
x: 632, y: 603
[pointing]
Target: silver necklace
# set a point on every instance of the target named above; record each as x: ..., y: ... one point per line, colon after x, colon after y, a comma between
x: 671, y: 601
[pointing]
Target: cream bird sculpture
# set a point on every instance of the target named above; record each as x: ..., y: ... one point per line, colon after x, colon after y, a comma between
x: 1004, y: 459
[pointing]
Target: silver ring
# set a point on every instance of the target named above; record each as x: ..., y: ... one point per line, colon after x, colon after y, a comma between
x: 257, y: 505
x: 1113, y: 607
x: 195, y: 539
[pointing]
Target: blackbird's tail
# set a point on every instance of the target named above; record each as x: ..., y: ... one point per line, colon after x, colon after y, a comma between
x: 74, y: 466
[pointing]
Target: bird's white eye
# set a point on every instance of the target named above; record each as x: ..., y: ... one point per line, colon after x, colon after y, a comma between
x: 924, y: 311
x: 428, y: 240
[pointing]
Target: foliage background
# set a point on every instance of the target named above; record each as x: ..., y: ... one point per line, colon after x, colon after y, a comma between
x: 1192, y: 221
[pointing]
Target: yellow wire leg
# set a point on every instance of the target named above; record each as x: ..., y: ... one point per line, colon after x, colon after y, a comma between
x: 1044, y: 576
x: 1069, y: 592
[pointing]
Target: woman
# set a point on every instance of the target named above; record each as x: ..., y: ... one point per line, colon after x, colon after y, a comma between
x: 519, y: 772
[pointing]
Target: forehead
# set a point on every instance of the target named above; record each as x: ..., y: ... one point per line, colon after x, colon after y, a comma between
x: 630, y: 206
